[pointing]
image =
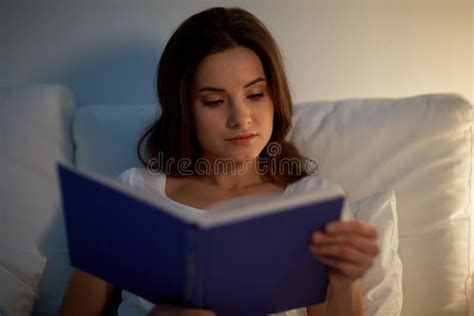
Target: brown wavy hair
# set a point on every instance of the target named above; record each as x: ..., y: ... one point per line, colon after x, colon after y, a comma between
x: 208, y: 32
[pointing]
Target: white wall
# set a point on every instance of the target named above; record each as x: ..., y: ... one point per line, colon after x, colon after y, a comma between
x: 107, y: 50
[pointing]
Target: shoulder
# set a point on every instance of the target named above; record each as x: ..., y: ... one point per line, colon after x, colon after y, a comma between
x: 128, y: 176
x: 318, y: 183
x: 138, y: 176
x: 314, y: 182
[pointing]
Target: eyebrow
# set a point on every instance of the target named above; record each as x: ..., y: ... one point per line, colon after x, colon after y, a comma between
x: 223, y: 90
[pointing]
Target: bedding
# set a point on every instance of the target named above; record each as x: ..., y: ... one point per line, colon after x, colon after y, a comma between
x: 20, y: 274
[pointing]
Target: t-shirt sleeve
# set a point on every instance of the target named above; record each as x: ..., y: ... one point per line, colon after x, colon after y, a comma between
x: 127, y: 176
x: 319, y: 183
x: 347, y: 213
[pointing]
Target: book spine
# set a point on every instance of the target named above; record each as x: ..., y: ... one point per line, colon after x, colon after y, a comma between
x: 193, y: 284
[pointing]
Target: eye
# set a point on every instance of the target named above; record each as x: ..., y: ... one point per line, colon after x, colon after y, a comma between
x: 256, y: 96
x: 213, y: 103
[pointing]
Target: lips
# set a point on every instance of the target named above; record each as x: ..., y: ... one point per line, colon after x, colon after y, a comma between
x: 243, y: 136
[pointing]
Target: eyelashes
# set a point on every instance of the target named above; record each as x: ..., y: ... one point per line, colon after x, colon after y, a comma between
x: 253, y: 97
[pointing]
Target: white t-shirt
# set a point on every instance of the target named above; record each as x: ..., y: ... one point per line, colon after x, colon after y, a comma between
x: 140, y: 178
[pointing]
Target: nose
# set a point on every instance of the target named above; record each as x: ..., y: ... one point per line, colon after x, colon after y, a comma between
x: 239, y: 115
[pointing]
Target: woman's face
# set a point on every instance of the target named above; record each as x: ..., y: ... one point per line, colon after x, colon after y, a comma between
x: 231, y: 98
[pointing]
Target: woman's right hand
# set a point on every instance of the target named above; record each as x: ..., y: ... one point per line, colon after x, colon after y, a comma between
x: 171, y: 310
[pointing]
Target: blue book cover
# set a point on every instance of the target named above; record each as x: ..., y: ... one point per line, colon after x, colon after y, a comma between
x: 247, y: 257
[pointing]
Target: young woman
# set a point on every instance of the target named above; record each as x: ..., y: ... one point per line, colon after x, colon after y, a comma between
x: 226, y: 111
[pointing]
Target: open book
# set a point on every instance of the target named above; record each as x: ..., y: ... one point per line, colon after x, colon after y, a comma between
x: 247, y: 256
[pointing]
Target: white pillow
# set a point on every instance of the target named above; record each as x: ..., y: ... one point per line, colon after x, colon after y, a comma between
x: 20, y: 274
x: 421, y: 148
x: 35, y: 132
x: 382, y: 283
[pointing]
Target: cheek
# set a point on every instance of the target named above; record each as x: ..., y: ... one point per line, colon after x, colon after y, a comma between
x: 199, y: 118
x: 269, y: 113
x: 207, y: 121
x: 206, y: 126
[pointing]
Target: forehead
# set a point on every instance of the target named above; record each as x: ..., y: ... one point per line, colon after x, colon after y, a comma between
x: 235, y: 66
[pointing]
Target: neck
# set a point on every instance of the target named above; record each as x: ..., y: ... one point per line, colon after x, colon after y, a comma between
x: 233, y: 176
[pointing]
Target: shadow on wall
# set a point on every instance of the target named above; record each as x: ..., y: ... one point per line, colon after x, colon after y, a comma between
x: 121, y: 73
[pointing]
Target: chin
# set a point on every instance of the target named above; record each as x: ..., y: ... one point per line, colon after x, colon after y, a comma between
x: 238, y: 155
x: 243, y: 158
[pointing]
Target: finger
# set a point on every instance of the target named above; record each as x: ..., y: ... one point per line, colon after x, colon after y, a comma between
x: 355, y: 226
x: 351, y: 270
x: 366, y: 245
x: 344, y: 253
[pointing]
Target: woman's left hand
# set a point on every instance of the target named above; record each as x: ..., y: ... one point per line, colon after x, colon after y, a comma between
x: 349, y: 248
